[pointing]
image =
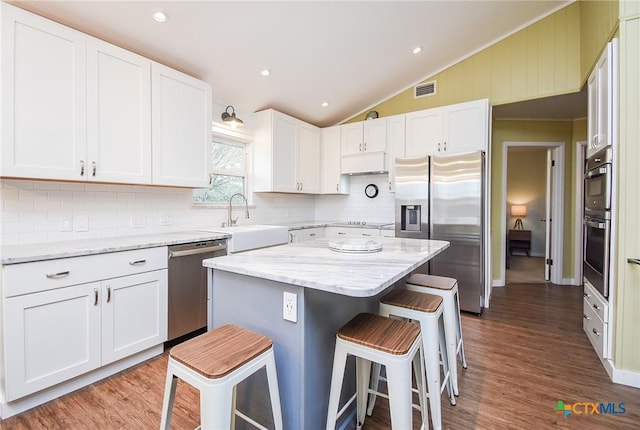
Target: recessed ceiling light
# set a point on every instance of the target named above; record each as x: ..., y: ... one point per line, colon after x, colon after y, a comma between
x: 325, y: 104
x: 265, y: 72
x: 159, y: 16
x: 417, y: 49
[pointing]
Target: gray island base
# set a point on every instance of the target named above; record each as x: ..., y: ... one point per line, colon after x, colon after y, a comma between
x: 331, y: 288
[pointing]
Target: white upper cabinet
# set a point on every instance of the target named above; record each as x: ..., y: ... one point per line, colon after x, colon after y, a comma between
x: 332, y: 181
x: 308, y: 158
x: 77, y: 108
x: 119, y: 114
x: 396, y: 129
x: 287, y: 153
x: 364, y: 146
x: 181, y: 132
x: 457, y: 128
x: 602, y: 89
x: 44, y: 99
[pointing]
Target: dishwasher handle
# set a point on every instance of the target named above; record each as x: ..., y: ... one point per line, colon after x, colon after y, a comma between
x: 196, y: 251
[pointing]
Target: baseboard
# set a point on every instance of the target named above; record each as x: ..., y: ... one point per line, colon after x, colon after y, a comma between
x: 570, y: 281
x: 626, y: 377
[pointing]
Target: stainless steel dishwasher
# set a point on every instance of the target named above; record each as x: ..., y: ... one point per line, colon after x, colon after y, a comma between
x: 188, y: 285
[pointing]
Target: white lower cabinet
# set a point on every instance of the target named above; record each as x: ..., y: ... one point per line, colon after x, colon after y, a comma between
x: 333, y: 231
x: 305, y: 234
x: 594, y: 320
x: 53, y: 335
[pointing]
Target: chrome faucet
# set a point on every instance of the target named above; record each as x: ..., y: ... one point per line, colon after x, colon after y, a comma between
x: 231, y: 221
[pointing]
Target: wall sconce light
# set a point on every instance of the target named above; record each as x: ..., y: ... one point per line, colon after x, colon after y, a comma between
x: 230, y: 118
x: 518, y: 211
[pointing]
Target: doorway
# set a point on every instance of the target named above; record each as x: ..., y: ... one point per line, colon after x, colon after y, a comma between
x: 532, y: 197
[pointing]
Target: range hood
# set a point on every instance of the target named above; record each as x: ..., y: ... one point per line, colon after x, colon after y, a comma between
x: 364, y: 163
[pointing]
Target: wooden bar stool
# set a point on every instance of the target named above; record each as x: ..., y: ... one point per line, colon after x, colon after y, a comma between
x: 447, y: 288
x: 392, y: 343
x: 427, y: 310
x: 214, y: 363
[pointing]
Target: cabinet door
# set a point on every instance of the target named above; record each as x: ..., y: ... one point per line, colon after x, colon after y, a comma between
x: 592, y: 113
x: 308, y: 157
x: 351, y: 138
x: 181, y: 131
x: 375, y: 135
x: 395, y: 145
x: 119, y: 114
x: 332, y: 181
x: 44, y: 97
x: 53, y: 336
x: 285, y: 153
x: 466, y: 127
x: 423, y: 132
x: 134, y: 314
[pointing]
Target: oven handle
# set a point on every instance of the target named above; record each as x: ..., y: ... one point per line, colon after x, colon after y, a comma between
x: 633, y: 261
x: 196, y: 251
x: 595, y: 224
x: 596, y: 172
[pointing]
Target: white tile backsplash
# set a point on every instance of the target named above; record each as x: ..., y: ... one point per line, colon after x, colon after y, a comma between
x: 35, y: 211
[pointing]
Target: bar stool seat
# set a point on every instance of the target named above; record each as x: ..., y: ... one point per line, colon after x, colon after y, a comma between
x: 214, y: 363
x: 395, y: 344
x: 427, y: 311
x: 447, y: 288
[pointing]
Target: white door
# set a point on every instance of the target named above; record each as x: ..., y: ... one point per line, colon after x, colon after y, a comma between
x: 119, y: 114
x: 548, y: 217
x: 375, y: 135
x: 181, y: 128
x: 285, y: 153
x: 44, y: 97
x: 54, y: 336
x: 423, y: 132
x: 134, y: 314
x: 351, y: 138
x: 309, y: 159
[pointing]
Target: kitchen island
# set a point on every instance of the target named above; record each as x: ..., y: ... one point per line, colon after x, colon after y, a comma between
x: 330, y: 288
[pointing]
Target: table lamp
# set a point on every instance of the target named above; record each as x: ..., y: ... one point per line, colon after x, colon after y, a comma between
x: 518, y: 211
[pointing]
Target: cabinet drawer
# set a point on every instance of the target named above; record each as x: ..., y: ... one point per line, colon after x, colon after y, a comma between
x: 595, y: 329
x: 596, y: 302
x: 25, y: 278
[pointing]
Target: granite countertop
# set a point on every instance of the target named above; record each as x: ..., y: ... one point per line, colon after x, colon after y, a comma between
x: 13, y: 254
x: 312, y: 264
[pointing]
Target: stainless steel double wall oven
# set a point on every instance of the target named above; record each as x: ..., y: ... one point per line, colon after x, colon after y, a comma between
x: 597, y: 219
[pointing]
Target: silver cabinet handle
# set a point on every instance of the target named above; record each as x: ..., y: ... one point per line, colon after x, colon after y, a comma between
x: 108, y: 294
x: 301, y: 186
x: 585, y: 317
x: 365, y: 146
x: 95, y: 297
x: 587, y: 295
x: 596, y: 332
x: 290, y: 237
x: 596, y: 307
x: 633, y: 261
x: 81, y: 167
x: 360, y: 147
x: 93, y: 168
x: 58, y: 274
x: 312, y: 234
x: 341, y: 233
x: 337, y: 187
x: 366, y: 234
x: 137, y: 262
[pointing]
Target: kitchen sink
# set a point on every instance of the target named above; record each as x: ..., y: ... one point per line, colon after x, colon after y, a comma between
x: 252, y: 236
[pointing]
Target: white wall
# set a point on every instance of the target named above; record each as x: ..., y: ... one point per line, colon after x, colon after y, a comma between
x: 36, y: 211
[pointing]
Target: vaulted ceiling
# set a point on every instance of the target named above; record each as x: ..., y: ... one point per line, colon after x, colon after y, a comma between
x: 350, y: 54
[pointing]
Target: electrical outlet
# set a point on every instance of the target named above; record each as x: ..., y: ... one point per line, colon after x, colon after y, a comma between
x: 290, y: 307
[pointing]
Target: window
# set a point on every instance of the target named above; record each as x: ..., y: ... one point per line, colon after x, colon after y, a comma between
x: 228, y: 172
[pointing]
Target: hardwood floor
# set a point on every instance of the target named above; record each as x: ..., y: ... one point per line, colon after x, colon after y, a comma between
x: 524, y: 354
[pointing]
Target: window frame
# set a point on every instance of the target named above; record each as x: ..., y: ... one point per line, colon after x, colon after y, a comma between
x: 231, y: 137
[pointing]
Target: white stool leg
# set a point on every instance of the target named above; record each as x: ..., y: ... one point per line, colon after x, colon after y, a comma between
x: 363, y: 372
x: 169, y: 398
x: 432, y: 364
x: 337, y: 374
x: 460, y: 343
x: 421, y: 382
x: 375, y: 381
x: 446, y: 362
x: 216, y: 407
x: 274, y: 392
x: 399, y: 383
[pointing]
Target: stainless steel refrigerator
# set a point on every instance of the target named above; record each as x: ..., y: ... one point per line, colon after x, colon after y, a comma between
x: 443, y: 198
